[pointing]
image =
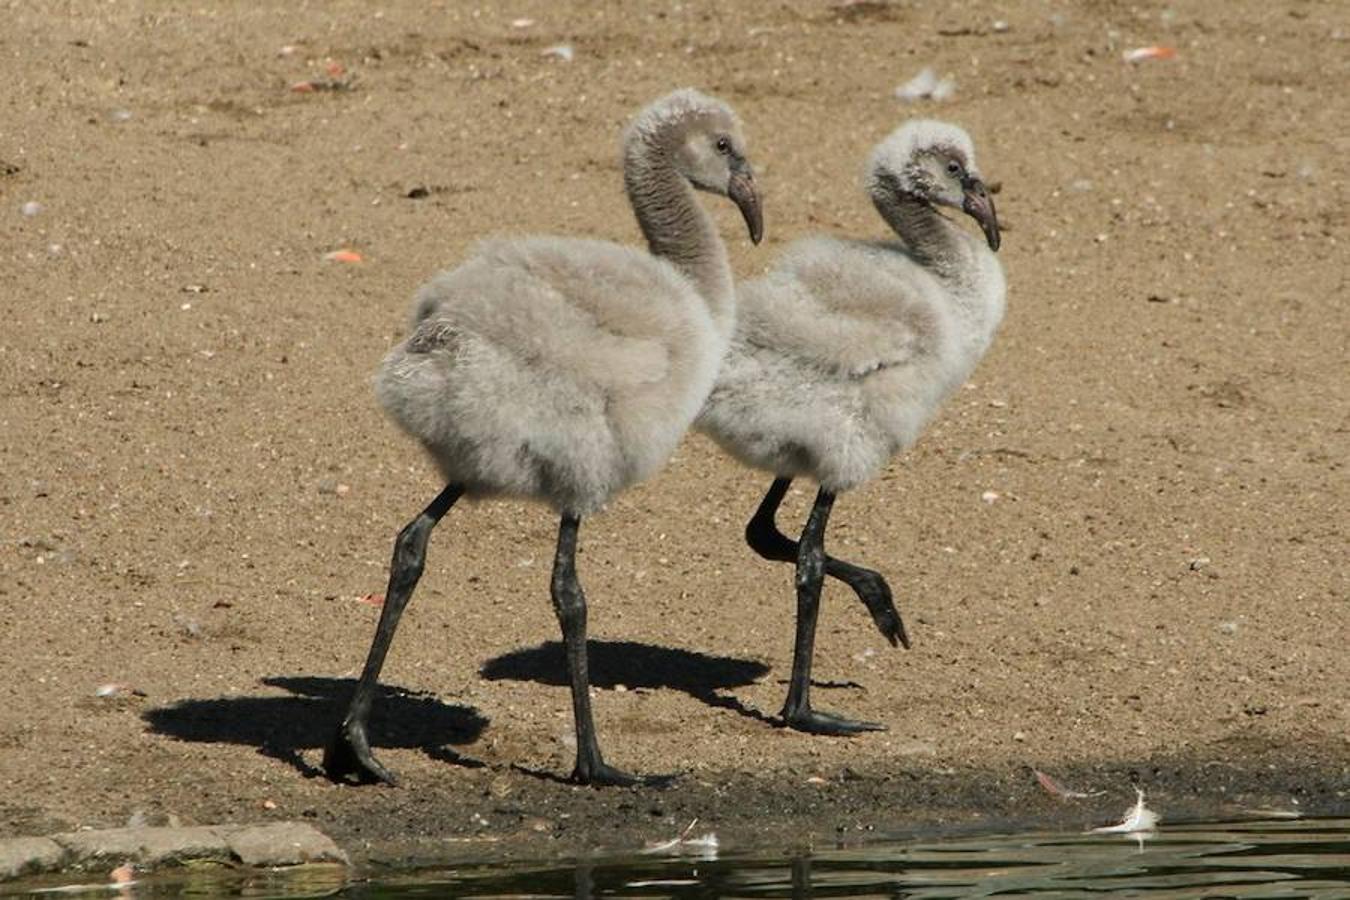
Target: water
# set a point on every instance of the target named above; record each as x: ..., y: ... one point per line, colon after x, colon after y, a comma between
x: 1268, y: 858
x: 1281, y: 858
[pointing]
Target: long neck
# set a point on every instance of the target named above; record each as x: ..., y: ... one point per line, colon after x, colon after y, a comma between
x: 933, y: 240
x: 957, y: 257
x: 676, y: 226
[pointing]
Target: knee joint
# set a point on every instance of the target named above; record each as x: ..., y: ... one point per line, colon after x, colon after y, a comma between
x: 810, y: 566
x: 410, y: 549
x: 569, y: 602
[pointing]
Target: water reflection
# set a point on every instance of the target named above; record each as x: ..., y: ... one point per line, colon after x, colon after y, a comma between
x: 1266, y: 859
x: 1302, y: 858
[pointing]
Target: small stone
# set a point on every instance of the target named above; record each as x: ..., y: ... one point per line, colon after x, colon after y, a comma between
x: 31, y: 208
x: 989, y: 496
x: 1019, y: 735
x: 1228, y: 628
x: 1198, y: 563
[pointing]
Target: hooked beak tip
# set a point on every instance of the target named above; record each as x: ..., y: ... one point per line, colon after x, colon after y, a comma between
x: 743, y: 192
x: 979, y: 205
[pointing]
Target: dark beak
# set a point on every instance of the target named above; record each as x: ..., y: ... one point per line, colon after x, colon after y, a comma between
x: 741, y: 189
x: 979, y: 205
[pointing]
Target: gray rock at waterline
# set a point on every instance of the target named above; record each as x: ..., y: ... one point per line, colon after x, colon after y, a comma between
x: 275, y: 844
x: 150, y: 847
x: 29, y: 856
x: 284, y: 844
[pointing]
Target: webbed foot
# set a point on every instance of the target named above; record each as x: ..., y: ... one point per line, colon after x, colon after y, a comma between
x: 348, y: 759
x: 814, y: 722
x: 604, y: 775
x: 875, y: 594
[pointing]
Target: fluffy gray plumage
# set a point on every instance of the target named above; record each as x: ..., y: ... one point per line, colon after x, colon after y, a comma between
x: 846, y: 348
x: 564, y: 369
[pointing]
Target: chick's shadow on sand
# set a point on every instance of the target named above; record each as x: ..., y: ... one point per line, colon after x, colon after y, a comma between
x: 284, y: 727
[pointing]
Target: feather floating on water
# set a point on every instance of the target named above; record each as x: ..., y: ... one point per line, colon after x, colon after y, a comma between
x: 1138, y: 818
x: 704, y: 845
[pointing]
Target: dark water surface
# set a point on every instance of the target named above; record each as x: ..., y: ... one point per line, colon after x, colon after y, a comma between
x: 1266, y: 858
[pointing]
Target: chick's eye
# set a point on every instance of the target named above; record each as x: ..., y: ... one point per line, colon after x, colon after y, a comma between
x: 723, y: 145
x: 953, y: 168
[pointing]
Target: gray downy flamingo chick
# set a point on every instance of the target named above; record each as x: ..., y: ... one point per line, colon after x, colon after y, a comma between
x: 565, y: 370
x: 844, y: 350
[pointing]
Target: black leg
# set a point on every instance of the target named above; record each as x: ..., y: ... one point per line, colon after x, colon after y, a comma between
x: 570, y: 604
x: 348, y: 756
x: 763, y: 536
x: 797, y: 711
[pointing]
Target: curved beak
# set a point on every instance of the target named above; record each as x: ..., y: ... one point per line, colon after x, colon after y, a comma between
x: 979, y: 205
x: 743, y: 192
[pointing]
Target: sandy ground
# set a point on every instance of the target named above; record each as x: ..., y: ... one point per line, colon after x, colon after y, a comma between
x: 196, y: 485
